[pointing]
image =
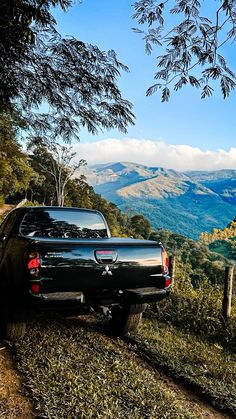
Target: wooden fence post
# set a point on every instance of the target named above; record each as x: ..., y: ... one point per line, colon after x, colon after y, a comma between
x: 172, y: 268
x: 228, y: 291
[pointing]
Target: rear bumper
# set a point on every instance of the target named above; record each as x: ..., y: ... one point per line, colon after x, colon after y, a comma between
x: 58, y: 301
x: 79, y: 301
x: 132, y: 296
x: 146, y: 295
x: 63, y: 296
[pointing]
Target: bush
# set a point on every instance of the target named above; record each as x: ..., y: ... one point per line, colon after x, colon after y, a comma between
x: 198, y: 311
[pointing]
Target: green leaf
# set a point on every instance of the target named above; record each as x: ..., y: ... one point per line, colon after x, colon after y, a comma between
x: 165, y: 94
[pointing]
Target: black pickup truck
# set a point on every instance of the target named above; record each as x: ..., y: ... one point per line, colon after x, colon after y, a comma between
x: 64, y: 259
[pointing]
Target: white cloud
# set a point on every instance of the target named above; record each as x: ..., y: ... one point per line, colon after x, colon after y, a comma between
x: 155, y: 153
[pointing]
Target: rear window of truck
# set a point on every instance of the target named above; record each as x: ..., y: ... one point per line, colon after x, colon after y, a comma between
x: 63, y: 224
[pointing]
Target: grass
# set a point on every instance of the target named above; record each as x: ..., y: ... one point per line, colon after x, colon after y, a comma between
x: 206, y: 366
x: 187, y: 335
x: 75, y: 372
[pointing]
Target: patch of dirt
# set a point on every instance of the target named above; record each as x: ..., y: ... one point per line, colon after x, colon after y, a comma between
x: 13, y: 404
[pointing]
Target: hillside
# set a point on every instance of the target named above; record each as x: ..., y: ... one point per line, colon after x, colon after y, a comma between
x: 222, y: 241
x: 226, y: 248
x: 222, y: 182
x: 187, y: 203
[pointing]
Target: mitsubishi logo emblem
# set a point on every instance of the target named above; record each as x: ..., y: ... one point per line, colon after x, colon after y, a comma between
x: 107, y: 271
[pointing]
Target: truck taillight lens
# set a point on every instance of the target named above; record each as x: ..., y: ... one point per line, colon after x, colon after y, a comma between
x: 35, y: 288
x: 168, y: 281
x: 165, y: 262
x: 33, y: 263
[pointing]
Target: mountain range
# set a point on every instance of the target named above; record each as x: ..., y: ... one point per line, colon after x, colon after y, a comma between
x: 185, y: 202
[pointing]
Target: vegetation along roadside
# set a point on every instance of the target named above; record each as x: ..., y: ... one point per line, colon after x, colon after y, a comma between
x: 87, y: 374
x: 188, y: 337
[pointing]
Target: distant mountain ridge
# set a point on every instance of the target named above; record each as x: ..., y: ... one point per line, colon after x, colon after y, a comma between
x: 185, y: 202
x: 222, y: 182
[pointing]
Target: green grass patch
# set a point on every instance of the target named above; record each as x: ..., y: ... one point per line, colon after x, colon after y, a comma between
x: 187, y: 334
x: 208, y: 367
x: 75, y: 372
x: 225, y: 248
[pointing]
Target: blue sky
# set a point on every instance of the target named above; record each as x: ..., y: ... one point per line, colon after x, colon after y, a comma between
x: 186, y: 119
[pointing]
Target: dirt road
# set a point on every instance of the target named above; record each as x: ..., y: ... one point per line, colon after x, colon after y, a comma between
x: 13, y: 404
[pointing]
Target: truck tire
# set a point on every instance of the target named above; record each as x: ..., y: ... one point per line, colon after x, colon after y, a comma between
x: 3, y: 311
x: 126, y: 319
x: 2, y: 324
x: 9, y: 330
x: 15, y: 331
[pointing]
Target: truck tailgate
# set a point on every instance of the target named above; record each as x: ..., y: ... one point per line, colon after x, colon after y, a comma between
x: 74, y: 265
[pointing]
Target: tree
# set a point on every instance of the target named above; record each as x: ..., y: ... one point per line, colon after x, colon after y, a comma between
x: 140, y: 225
x: 75, y: 82
x: 43, y: 188
x: 218, y: 234
x: 56, y: 160
x: 62, y: 169
x: 15, y: 169
x: 191, y: 48
x: 79, y: 193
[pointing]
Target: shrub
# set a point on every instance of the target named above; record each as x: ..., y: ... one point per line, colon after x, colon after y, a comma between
x: 198, y: 310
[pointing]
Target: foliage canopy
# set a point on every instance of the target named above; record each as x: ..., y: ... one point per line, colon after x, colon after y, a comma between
x: 15, y: 168
x: 190, y: 43
x: 74, y: 81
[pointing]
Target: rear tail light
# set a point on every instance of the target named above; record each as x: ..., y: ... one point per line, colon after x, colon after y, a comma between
x: 167, y: 281
x: 35, y: 288
x: 165, y: 262
x: 33, y: 263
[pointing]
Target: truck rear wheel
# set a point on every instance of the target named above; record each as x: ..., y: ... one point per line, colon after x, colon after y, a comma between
x: 3, y: 310
x: 126, y: 319
x: 9, y: 329
x: 2, y: 324
x: 15, y: 331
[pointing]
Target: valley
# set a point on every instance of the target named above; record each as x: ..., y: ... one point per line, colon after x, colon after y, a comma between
x: 184, y: 202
